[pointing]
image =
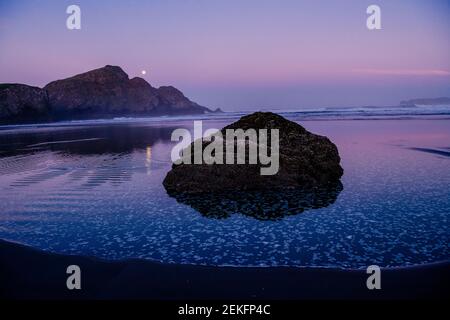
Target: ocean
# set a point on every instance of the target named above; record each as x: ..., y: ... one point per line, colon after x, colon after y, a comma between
x: 94, y: 188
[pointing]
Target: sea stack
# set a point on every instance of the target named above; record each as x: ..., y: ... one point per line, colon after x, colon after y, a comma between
x: 306, y: 161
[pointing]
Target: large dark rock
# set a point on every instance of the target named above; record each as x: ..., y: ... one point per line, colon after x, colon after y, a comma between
x: 103, y: 92
x: 306, y: 160
x: 308, y: 177
x: 19, y: 101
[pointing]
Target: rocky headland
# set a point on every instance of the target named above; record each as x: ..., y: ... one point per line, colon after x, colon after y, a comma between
x: 104, y: 92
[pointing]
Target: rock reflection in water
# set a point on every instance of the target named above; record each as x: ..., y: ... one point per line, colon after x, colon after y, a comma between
x: 261, y: 205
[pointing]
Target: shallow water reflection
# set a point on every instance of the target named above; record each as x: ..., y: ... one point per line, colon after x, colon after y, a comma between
x: 261, y: 205
x: 86, y: 140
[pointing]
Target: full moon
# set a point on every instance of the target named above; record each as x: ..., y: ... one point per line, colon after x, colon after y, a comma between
x: 144, y: 72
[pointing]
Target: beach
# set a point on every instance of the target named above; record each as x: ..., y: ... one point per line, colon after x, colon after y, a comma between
x: 27, y: 273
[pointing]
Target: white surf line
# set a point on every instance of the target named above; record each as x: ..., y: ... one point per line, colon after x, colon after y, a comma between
x: 62, y: 141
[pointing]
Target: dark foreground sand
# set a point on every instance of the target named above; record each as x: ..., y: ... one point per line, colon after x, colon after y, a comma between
x: 33, y: 274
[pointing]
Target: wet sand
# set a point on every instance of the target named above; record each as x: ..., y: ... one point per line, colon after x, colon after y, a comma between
x: 27, y: 273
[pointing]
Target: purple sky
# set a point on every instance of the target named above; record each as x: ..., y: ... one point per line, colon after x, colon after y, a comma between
x: 239, y: 54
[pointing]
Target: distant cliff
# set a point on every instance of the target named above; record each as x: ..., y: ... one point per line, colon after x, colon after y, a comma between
x: 103, y: 92
x: 426, y: 102
x: 19, y: 101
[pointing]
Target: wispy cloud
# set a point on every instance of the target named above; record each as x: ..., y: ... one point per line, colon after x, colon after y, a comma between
x: 403, y: 72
